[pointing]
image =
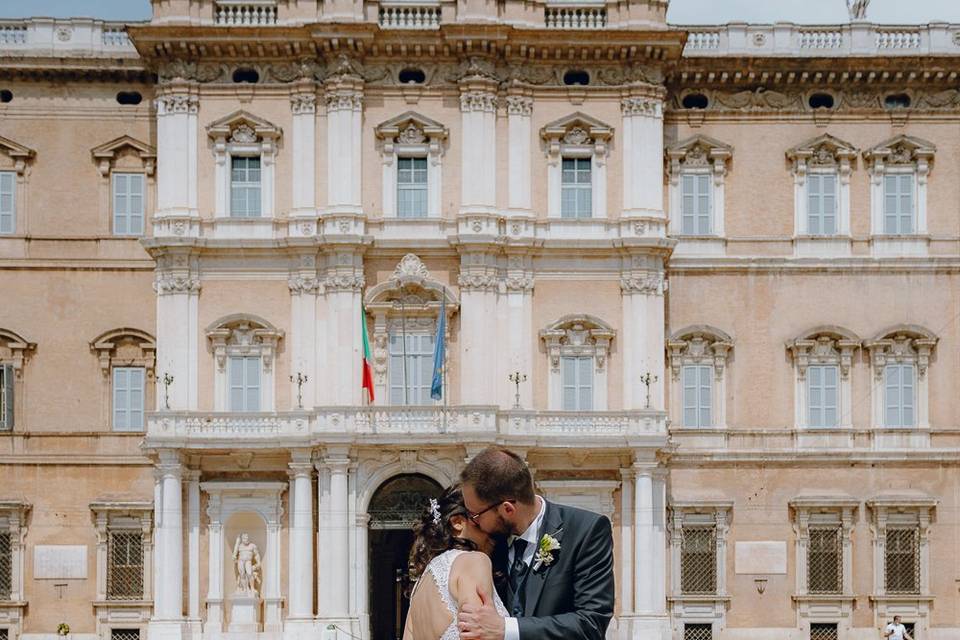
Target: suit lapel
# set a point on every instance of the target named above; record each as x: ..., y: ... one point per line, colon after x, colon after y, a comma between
x: 552, y: 524
x: 500, y: 571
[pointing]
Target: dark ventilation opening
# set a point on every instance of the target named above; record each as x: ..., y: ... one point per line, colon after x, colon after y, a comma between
x: 821, y: 101
x: 576, y: 76
x: 897, y: 101
x: 694, y: 101
x: 6, y: 95
x: 412, y: 76
x: 129, y: 97
x: 246, y: 75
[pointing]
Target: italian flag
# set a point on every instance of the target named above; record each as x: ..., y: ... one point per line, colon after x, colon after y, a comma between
x: 367, y: 368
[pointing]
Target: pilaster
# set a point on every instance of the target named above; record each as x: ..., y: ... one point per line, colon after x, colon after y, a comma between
x: 478, y: 109
x: 344, y: 101
x: 177, y: 284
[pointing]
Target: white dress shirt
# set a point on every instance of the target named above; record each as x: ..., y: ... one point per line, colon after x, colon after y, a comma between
x: 511, y: 630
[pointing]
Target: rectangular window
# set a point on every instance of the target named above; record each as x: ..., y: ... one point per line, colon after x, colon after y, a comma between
x: 6, y: 565
x: 823, y: 631
x: 898, y: 399
x: 698, y: 560
x: 124, y: 634
x: 4, y: 633
x: 410, y: 384
x: 128, y: 204
x: 698, y: 632
x: 898, y: 204
x: 911, y: 628
x: 6, y: 397
x: 695, y: 204
x: 822, y: 204
x: 244, y: 376
x: 128, y: 392
x: 902, y: 560
x: 125, y: 565
x: 245, y: 187
x: 576, y: 193
x: 576, y: 373
x: 825, y: 560
x: 697, y: 381
x: 411, y: 187
x: 822, y: 395
x: 8, y: 202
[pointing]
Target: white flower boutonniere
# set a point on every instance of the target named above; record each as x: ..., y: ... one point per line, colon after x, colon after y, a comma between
x: 547, y: 545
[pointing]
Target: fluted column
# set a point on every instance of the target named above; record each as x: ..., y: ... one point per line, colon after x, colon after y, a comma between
x: 169, y: 598
x: 193, y: 544
x: 300, y: 573
x: 650, y: 620
x: 334, y: 578
x: 642, y: 285
x: 343, y: 289
x: 627, y: 561
x: 478, y: 108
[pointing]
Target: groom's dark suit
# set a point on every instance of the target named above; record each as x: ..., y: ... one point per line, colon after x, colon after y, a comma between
x: 572, y: 598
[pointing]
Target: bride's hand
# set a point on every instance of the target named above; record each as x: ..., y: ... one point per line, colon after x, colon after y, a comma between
x: 480, y: 622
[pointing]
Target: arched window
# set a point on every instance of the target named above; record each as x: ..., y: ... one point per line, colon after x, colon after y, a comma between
x: 822, y: 358
x: 577, y: 147
x: 244, y: 347
x: 698, y: 363
x: 578, y: 347
x: 127, y: 359
x: 697, y: 167
x: 411, y: 150
x: 900, y: 357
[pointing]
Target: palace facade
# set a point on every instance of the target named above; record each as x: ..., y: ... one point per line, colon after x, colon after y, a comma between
x: 706, y: 280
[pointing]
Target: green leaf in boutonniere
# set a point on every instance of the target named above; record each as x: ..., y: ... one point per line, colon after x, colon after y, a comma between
x: 545, y: 550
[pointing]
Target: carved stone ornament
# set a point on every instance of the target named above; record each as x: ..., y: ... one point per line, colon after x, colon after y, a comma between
x: 909, y: 345
x: 243, y: 134
x: 824, y: 346
x: 478, y: 281
x: 243, y: 335
x: 303, y: 103
x: 519, y: 105
x: 167, y: 284
x: 698, y: 151
x: 824, y: 151
x: 578, y: 335
x: 577, y: 135
x: 410, y: 266
x: 411, y: 134
x: 178, y: 103
x: 650, y: 284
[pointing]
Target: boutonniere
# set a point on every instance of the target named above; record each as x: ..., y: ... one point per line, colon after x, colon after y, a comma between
x: 545, y: 551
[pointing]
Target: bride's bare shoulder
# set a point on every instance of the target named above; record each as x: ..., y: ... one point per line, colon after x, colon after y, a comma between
x: 472, y: 561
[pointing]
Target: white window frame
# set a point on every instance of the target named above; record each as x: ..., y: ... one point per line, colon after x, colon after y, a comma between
x: 414, y: 186
x: 572, y: 370
x: 907, y: 345
x: 827, y: 346
x: 110, y: 516
x: 819, y: 383
x: 900, y: 404
x: 577, y: 136
x: 702, y: 384
x: 128, y: 176
x: 576, y: 187
x: 8, y: 219
x: 13, y: 520
x: 699, y: 608
x: 240, y: 365
x: 128, y: 423
x: 695, y: 176
x: 898, y: 156
x: 699, y: 346
x: 19, y: 156
x: 823, y: 155
x: 7, y: 397
x: 243, y: 335
x: 698, y: 155
x: 242, y: 134
x: 577, y: 335
x: 897, y: 173
x: 247, y: 185
x: 411, y: 135
x: 418, y: 394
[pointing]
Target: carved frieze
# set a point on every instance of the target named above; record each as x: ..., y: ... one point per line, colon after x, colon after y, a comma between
x: 168, y: 284
x: 793, y: 100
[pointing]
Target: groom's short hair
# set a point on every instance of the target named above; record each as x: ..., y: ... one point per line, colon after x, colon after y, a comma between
x: 498, y: 474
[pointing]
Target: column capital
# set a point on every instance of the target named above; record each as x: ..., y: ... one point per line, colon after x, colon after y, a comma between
x: 301, y: 463
x: 519, y: 105
x: 303, y: 103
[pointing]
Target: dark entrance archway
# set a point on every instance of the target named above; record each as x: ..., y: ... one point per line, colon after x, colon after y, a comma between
x: 394, y: 508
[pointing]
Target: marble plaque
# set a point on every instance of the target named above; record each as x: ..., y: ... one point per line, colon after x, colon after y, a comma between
x: 60, y: 562
x: 761, y: 557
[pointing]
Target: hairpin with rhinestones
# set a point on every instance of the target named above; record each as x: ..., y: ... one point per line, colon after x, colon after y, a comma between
x: 435, y: 510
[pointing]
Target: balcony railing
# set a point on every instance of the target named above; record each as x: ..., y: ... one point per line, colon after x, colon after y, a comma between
x: 857, y: 39
x: 245, y: 14
x: 485, y: 422
x: 409, y: 16
x: 75, y: 36
x: 574, y: 17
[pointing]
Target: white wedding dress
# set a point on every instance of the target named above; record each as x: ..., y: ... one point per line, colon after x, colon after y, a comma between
x: 439, y: 569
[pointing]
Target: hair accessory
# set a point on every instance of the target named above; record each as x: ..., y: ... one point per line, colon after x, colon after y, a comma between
x: 435, y: 510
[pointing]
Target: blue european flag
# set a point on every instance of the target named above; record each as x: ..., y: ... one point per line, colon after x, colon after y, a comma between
x: 439, y: 351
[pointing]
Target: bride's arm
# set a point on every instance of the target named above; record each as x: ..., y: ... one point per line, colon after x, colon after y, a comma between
x: 470, y: 575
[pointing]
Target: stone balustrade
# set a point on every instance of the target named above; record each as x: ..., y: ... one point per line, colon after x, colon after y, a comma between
x: 201, y: 429
x: 409, y: 16
x: 855, y: 39
x: 575, y: 17
x: 74, y: 37
x: 245, y: 14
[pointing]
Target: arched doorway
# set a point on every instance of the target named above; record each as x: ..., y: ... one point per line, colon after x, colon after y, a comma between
x: 394, y: 508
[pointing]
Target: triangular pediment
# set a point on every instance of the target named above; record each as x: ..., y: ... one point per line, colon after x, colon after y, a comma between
x: 411, y: 127
x: 821, y: 146
x: 712, y: 146
x: 15, y: 149
x: 901, y: 149
x: 577, y: 128
x: 243, y: 127
x: 110, y: 149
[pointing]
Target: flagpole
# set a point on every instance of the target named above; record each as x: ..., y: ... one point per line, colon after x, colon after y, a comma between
x: 403, y: 331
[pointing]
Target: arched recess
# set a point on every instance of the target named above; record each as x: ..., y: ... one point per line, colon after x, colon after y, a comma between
x: 247, y: 340
x: 409, y: 302
x: 127, y: 358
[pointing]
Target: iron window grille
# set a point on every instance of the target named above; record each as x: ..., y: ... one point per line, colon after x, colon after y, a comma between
x: 902, y: 559
x: 698, y: 632
x: 6, y: 567
x: 125, y: 569
x: 823, y: 631
x: 824, y: 561
x: 698, y: 560
x: 124, y: 634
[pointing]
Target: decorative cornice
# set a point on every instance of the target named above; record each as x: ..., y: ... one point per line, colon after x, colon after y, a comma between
x: 168, y: 284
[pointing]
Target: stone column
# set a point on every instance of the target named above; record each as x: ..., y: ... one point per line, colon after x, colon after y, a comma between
x: 478, y: 108
x: 305, y: 334
x: 300, y: 572
x: 193, y: 545
x: 167, y: 619
x: 177, y: 112
x: 215, y: 609
x: 344, y: 98
x: 303, y: 104
x: 643, y: 152
x: 334, y: 535
x: 515, y: 325
x: 478, y: 327
x: 627, y: 561
x: 519, y: 137
x: 343, y: 296
x: 177, y: 285
x: 642, y: 343
x: 651, y: 620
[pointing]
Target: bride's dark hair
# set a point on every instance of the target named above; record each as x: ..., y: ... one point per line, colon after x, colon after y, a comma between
x: 433, y: 538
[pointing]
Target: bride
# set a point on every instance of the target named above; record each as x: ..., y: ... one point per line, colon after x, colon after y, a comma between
x: 451, y: 560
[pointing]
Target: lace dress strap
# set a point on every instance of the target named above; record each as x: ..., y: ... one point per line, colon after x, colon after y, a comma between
x: 439, y: 568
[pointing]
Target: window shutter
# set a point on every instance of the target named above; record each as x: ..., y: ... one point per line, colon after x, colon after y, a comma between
x: 703, y: 204
x: 892, y: 392
x: 120, y: 203
x: 906, y: 203
x: 690, y: 413
x: 120, y: 398
x: 236, y: 383
x: 815, y: 396
x: 906, y: 395
x: 814, y: 200
x: 585, y: 380
x: 830, y: 397
x: 688, y: 205
x: 890, y: 202
x: 8, y: 396
x: 568, y: 373
x: 829, y: 226
x: 135, y: 403
x: 704, y: 399
x: 135, y: 209
x: 252, y: 365
x: 7, y: 201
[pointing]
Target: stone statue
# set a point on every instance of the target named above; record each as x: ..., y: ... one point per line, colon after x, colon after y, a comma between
x: 857, y: 9
x: 246, y: 558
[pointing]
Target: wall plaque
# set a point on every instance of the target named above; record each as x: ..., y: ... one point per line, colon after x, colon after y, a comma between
x: 761, y: 557
x: 60, y: 562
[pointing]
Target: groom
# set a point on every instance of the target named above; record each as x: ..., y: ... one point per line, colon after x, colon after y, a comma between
x: 556, y: 562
